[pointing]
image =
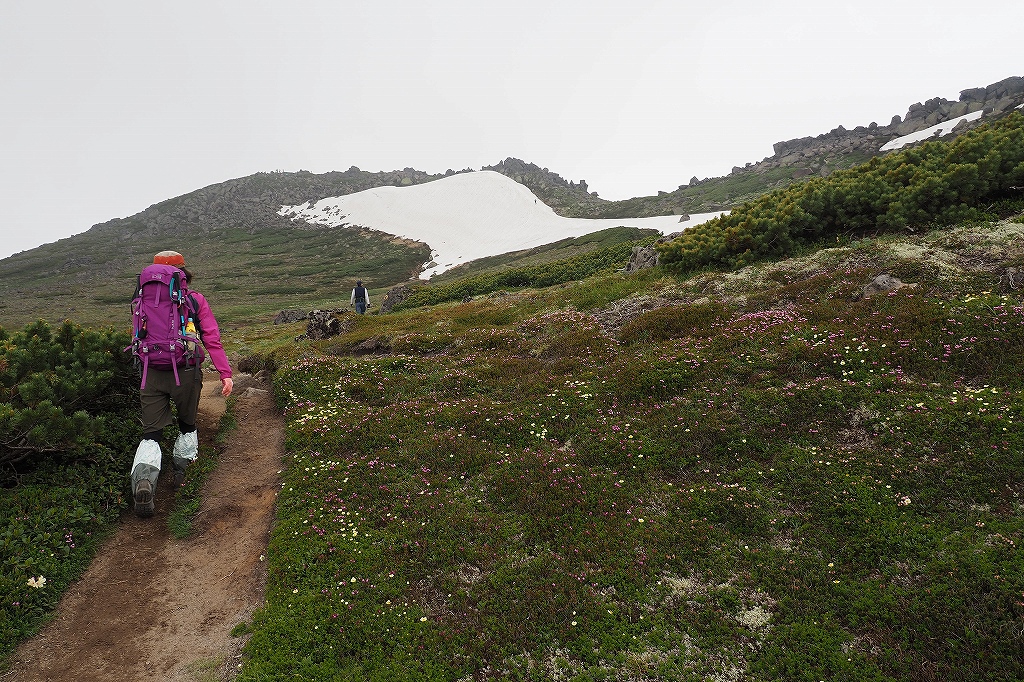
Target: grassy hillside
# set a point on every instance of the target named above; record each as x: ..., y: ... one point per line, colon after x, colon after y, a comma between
x: 248, y: 276
x: 548, y: 253
x: 755, y: 475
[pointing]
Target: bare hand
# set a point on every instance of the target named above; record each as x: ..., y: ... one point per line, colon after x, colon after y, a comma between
x: 227, y: 386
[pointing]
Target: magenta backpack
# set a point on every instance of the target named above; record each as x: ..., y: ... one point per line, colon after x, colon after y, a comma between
x: 165, y: 322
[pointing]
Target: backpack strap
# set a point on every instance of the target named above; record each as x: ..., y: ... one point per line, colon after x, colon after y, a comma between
x: 195, y: 309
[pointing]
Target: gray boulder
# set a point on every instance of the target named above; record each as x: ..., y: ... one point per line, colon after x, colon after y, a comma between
x: 1004, y: 104
x: 289, y: 316
x: 395, y: 296
x: 323, y: 324
x: 881, y: 284
x: 641, y: 258
x: 372, y: 345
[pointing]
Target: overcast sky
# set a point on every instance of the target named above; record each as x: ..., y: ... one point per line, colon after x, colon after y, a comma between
x: 111, y: 106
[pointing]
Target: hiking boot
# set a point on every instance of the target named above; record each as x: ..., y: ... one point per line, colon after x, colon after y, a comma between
x: 179, y: 479
x: 144, y: 498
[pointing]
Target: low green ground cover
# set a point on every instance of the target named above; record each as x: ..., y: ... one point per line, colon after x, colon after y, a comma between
x: 800, y: 485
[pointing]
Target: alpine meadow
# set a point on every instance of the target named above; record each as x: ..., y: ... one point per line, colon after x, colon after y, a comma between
x: 791, y: 450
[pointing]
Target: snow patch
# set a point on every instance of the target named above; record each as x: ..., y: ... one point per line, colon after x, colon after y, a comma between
x: 466, y: 216
x: 938, y: 130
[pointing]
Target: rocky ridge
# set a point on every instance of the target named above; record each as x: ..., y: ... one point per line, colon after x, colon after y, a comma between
x: 568, y: 198
x: 251, y: 203
x: 800, y: 158
x: 812, y: 155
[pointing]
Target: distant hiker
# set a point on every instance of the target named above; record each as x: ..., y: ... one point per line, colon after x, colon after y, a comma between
x: 171, y: 326
x: 360, y: 298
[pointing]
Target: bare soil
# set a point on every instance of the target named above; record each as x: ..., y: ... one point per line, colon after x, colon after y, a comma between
x: 151, y: 607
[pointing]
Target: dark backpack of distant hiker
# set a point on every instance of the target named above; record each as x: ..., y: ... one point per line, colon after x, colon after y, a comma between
x: 360, y: 292
x: 165, y: 322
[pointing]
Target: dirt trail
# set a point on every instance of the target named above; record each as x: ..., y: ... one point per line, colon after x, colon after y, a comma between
x: 154, y: 608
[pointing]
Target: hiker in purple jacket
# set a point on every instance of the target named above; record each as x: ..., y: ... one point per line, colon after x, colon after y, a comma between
x: 180, y: 386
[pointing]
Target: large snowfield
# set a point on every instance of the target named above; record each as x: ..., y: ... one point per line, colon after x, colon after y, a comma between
x: 466, y: 216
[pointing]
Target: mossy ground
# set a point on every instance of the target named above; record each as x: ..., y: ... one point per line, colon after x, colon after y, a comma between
x: 766, y: 477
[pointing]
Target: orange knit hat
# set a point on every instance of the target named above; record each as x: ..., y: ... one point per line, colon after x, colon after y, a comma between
x: 169, y: 258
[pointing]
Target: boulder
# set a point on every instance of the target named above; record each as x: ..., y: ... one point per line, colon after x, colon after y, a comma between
x: 910, y: 125
x: 641, y: 258
x: 289, y: 316
x: 881, y: 284
x: 395, y: 296
x: 1007, y: 86
x: 372, y: 345
x: 1004, y: 104
x: 972, y: 95
x: 322, y: 324
x: 961, y: 126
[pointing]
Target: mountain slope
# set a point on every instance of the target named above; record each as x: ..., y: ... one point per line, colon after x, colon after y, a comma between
x: 252, y: 259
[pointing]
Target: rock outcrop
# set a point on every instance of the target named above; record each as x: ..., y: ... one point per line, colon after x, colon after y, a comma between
x: 395, y: 296
x: 810, y: 155
x: 642, y: 257
x: 289, y: 316
x: 882, y: 284
x: 647, y: 256
x: 566, y: 197
x: 323, y: 324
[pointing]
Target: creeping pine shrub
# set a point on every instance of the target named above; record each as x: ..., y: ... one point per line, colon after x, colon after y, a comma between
x: 68, y: 403
x: 57, y: 388
x: 936, y: 182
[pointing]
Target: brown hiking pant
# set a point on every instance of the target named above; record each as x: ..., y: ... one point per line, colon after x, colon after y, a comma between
x: 161, y: 392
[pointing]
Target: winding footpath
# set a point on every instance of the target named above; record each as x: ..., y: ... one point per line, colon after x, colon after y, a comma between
x: 151, y: 607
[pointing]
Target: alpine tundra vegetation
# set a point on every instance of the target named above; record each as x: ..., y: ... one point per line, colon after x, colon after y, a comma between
x: 564, y: 471
x: 754, y: 475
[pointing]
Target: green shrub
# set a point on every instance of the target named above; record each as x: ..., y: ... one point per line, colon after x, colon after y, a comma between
x: 68, y: 426
x: 936, y: 182
x: 57, y: 388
